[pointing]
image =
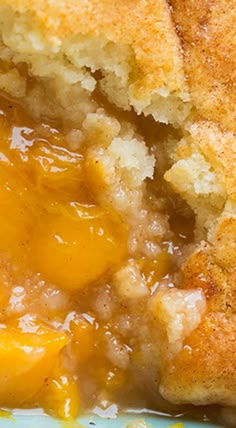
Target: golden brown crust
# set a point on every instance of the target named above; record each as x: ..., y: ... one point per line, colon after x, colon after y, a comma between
x: 204, y: 174
x: 207, y: 29
x: 146, y: 27
x: 204, y: 371
x: 212, y: 268
x: 219, y: 148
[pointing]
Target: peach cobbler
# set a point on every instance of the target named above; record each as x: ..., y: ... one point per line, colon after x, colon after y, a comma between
x: 118, y: 207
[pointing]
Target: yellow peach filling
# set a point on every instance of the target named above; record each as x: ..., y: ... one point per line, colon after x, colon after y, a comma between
x: 70, y: 334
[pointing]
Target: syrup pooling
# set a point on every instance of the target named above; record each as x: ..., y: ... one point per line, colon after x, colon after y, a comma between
x: 35, y: 354
x: 75, y: 244
x: 73, y: 301
x: 47, y: 211
x: 51, y: 230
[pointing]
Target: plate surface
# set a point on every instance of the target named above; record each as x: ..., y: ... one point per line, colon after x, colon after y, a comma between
x: 39, y: 421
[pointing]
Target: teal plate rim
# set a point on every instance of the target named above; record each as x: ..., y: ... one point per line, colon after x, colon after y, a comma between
x: 91, y: 421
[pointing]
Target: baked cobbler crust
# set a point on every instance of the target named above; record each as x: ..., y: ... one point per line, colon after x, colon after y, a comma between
x: 134, y: 46
x: 144, y: 92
